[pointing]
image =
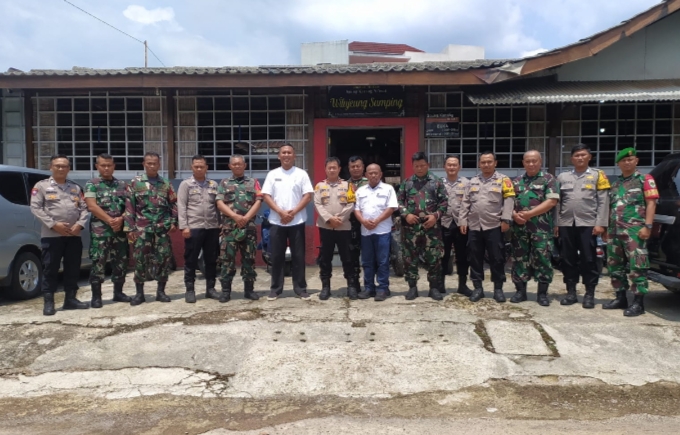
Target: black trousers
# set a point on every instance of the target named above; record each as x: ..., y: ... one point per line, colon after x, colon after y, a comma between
x: 280, y: 237
x: 489, y: 242
x: 54, y: 249
x: 579, y: 255
x: 454, y: 238
x: 207, y: 240
x: 329, y: 240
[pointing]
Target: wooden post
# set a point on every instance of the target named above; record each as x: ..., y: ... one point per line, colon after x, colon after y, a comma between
x: 554, y: 115
x: 170, y: 122
x: 310, y: 151
x: 28, y: 129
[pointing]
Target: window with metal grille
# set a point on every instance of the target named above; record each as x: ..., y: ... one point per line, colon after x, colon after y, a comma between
x: 218, y: 125
x: 607, y: 128
x: 508, y: 131
x: 82, y: 127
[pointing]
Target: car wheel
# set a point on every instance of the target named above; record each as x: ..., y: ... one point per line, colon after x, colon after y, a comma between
x: 27, y: 276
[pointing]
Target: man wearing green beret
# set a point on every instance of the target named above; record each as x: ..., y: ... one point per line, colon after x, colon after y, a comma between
x: 632, y: 204
x: 238, y: 199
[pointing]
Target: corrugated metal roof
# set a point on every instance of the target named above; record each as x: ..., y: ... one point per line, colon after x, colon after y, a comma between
x: 270, y: 69
x: 576, y: 92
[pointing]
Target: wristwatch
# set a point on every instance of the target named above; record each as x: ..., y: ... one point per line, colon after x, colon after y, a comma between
x: 650, y: 226
x: 506, y: 221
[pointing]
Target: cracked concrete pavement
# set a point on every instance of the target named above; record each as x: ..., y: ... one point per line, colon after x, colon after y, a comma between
x: 339, y: 366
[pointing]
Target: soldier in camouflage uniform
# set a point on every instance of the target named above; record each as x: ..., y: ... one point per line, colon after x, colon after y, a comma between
x: 238, y: 199
x: 632, y: 204
x: 536, y: 193
x: 150, y: 215
x: 357, y: 180
x: 422, y: 202
x: 105, y: 198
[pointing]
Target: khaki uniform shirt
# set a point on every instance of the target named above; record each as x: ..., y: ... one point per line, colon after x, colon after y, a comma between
x: 455, y: 191
x: 334, y: 199
x: 196, y: 205
x: 51, y: 204
x: 486, y: 202
x: 584, y: 199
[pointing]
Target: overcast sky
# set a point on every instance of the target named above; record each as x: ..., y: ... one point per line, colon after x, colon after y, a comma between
x: 51, y: 34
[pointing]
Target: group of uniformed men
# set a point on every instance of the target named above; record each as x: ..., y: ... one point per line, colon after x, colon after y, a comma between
x: 438, y: 214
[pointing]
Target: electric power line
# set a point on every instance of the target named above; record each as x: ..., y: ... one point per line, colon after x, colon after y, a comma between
x: 117, y: 29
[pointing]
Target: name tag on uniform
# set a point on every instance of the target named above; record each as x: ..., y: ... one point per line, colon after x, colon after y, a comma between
x: 495, y: 189
x: 277, y: 179
x: 195, y: 191
x: 74, y: 190
x: 474, y: 189
x: 460, y: 192
x: 51, y: 197
x: 589, y: 177
x: 588, y: 186
x: 537, y: 186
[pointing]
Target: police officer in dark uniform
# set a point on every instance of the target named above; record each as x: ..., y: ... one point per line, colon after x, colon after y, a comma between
x: 60, y: 206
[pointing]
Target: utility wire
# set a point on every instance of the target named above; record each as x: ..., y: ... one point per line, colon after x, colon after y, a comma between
x: 115, y: 28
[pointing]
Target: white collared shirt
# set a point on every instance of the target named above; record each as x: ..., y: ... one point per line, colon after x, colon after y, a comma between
x: 372, y: 202
x: 287, y: 187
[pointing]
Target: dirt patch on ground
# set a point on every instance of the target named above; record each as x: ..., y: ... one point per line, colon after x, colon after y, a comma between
x: 545, y: 399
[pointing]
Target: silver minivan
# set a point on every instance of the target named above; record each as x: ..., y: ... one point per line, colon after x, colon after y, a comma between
x: 20, y: 265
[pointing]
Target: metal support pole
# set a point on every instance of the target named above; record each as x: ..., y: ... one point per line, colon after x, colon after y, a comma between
x: 146, y: 55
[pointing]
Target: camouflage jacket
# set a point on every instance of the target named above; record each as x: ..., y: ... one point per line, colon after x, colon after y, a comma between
x: 110, y: 196
x: 356, y: 184
x: 150, y: 207
x: 530, y: 192
x: 627, y: 201
x: 240, y: 195
x: 423, y: 196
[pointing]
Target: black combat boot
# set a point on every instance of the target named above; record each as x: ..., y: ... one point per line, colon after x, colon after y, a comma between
x: 352, y: 292
x: 589, y: 298
x: 190, y: 295
x: 442, y: 285
x: 435, y: 292
x: 462, y: 286
x: 118, y: 295
x: 571, y: 297
x: 160, y: 293
x: 210, y: 292
x: 521, y: 293
x: 72, y: 303
x: 249, y: 292
x: 325, y: 289
x: 498, y: 294
x: 226, y: 292
x: 636, y: 308
x: 138, y: 298
x: 620, y: 303
x: 478, y: 292
x: 96, y: 301
x: 412, y: 291
x: 48, y: 307
x: 542, y: 294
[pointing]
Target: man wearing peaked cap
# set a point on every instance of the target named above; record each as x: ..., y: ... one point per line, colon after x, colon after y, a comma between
x: 632, y: 204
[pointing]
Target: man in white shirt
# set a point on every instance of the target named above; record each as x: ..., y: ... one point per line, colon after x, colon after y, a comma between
x: 287, y: 191
x: 374, y: 207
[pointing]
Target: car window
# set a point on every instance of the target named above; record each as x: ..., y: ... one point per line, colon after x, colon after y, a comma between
x: 32, y: 180
x: 12, y: 188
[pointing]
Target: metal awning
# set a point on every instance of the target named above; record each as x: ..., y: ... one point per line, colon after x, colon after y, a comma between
x: 576, y: 92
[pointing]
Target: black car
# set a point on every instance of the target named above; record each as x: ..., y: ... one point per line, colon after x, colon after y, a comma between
x: 664, y: 244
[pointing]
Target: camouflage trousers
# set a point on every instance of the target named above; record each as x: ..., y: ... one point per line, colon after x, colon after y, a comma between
x: 422, y: 247
x: 228, y: 249
x: 531, y: 254
x: 355, y: 246
x: 114, y: 249
x: 626, y: 252
x: 152, y: 254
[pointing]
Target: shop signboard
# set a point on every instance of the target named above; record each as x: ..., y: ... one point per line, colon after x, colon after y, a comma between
x: 366, y: 101
x: 442, y: 125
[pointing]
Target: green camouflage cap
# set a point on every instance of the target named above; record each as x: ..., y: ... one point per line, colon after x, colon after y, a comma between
x: 626, y: 152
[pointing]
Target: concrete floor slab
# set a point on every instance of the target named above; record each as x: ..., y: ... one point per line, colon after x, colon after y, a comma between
x: 516, y: 338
